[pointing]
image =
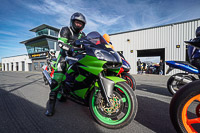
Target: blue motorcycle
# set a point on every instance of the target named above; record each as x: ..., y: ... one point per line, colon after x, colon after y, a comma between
x: 176, y: 81
x: 185, y: 104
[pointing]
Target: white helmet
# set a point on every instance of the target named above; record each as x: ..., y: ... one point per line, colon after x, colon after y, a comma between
x: 52, y: 52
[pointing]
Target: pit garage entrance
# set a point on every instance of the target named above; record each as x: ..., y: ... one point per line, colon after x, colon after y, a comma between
x: 149, y: 57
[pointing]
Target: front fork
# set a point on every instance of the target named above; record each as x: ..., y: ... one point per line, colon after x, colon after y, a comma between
x: 106, y: 86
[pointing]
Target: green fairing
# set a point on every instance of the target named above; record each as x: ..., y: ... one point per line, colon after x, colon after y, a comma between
x: 80, y: 78
x: 92, y: 64
x: 81, y: 93
x: 64, y: 78
x: 96, y: 84
x: 116, y: 79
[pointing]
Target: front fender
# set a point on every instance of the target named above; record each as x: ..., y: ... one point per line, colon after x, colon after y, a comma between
x: 115, y: 79
x: 107, y: 84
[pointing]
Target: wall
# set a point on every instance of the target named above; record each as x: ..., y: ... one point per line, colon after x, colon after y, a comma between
x: 167, y: 37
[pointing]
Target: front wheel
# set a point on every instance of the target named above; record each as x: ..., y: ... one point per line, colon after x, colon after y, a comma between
x: 129, y: 80
x: 185, y: 108
x: 123, y: 110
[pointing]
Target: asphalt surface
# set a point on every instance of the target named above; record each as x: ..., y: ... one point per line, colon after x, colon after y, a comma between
x: 23, y: 99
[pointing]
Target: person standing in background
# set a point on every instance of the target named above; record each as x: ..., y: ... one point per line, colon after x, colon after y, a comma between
x: 144, y: 67
x: 161, y: 66
x: 139, y: 66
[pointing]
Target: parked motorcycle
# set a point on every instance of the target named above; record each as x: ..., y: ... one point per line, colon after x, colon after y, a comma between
x: 185, y: 105
x: 176, y: 81
x: 91, y: 78
x: 124, y: 72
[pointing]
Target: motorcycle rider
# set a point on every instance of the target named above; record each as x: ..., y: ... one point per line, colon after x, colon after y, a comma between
x: 52, y: 53
x: 194, y: 53
x: 107, y: 38
x: 66, y: 40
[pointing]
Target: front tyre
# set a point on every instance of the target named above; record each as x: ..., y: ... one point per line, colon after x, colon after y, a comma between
x: 185, y: 108
x: 129, y: 80
x: 121, y: 113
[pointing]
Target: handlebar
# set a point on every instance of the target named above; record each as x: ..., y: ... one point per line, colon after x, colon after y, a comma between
x: 78, y: 49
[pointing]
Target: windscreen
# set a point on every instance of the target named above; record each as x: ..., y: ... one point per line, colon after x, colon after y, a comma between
x: 96, y: 38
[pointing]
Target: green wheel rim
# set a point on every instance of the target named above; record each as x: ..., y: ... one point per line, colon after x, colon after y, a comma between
x: 107, y: 120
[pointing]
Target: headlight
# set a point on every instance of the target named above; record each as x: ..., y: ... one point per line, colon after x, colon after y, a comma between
x: 99, y: 54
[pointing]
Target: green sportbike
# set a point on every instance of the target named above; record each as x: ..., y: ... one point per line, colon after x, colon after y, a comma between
x: 91, y: 77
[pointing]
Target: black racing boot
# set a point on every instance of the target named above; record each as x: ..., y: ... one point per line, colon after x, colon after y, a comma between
x: 51, y: 104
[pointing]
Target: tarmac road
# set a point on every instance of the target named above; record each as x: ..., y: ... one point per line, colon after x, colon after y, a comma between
x: 23, y: 98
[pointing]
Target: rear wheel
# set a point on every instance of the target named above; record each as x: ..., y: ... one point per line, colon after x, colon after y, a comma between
x: 185, y: 108
x: 123, y: 110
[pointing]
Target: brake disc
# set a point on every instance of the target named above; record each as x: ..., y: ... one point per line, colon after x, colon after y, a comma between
x: 198, y: 110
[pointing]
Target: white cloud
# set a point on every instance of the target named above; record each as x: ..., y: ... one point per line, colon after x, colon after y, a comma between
x: 7, y: 33
x: 103, y: 15
x: 62, y: 11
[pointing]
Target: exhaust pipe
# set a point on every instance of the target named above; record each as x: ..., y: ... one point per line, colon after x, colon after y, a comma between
x: 47, y: 76
x: 182, y: 79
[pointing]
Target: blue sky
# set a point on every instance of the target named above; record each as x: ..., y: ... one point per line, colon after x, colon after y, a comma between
x: 17, y: 17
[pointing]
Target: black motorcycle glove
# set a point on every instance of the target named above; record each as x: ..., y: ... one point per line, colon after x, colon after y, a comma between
x: 71, y: 51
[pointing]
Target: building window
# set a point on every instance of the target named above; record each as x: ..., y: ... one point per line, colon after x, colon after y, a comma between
x: 51, y: 44
x: 42, y: 32
x: 53, y: 33
x: 37, y: 47
x: 42, y: 64
x: 35, y: 65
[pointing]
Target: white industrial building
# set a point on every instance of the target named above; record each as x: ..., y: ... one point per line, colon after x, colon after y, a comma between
x: 16, y: 63
x: 166, y: 41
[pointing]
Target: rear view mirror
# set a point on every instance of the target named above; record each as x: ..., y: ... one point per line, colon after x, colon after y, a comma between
x: 194, y: 42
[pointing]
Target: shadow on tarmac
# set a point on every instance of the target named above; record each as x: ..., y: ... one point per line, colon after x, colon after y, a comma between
x: 154, y: 89
x: 154, y: 114
x: 20, y: 115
